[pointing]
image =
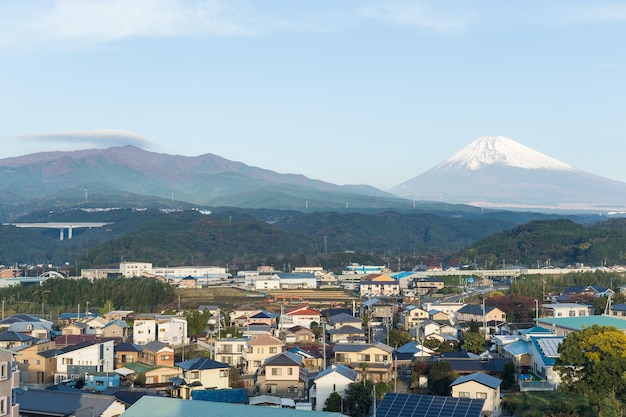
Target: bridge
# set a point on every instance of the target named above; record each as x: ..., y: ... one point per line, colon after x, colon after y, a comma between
x: 59, y: 225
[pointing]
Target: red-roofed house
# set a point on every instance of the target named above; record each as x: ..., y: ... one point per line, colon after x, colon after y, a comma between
x: 299, y: 316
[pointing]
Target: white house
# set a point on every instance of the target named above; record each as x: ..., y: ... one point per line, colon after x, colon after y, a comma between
x: 335, y: 378
x: 144, y: 331
x: 293, y: 280
x: 299, y: 316
x: 74, y: 361
x: 172, y: 330
x: 480, y: 386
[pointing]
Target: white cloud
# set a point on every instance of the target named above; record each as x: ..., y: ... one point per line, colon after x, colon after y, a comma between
x: 438, y: 18
x: 595, y: 12
x: 86, y: 22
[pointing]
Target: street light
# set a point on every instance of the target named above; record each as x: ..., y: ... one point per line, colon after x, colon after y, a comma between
x: 86, y: 308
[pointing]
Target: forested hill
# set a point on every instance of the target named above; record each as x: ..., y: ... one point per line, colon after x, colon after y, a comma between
x: 294, y: 238
x: 552, y: 243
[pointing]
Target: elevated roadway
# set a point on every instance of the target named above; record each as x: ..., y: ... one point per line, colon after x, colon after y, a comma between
x: 59, y: 225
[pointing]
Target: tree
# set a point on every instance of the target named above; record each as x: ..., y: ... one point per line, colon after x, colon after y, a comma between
x: 473, y: 342
x: 358, y: 400
x: 508, y: 375
x: 592, y: 362
x: 474, y: 327
x: 440, y: 378
x: 333, y: 402
x: 399, y: 337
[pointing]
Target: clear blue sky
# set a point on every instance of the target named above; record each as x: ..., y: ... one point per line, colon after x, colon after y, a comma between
x: 350, y: 92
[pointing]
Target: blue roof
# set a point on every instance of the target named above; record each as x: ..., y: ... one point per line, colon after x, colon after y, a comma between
x: 401, y: 275
x: 410, y: 347
x: 234, y: 395
x: 579, y: 323
x: 517, y: 348
x: 547, y: 347
x: 536, y: 329
x: 484, y: 379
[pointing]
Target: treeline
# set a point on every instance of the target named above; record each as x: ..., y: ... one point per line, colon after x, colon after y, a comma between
x: 548, y: 243
x: 58, y: 295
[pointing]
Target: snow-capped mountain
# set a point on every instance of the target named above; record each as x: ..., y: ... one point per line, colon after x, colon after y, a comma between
x: 500, y: 150
x: 496, y: 171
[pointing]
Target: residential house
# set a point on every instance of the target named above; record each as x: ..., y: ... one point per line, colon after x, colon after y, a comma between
x: 405, y: 405
x: 101, y: 381
x: 423, y: 286
x: 283, y: 374
x: 581, y: 293
x: 75, y: 328
x: 156, y: 353
x: 335, y: 378
x: 312, y: 356
x: 125, y: 353
x: 440, y: 316
x: 566, y: 310
x: 203, y: 374
x: 73, y: 362
x: 96, y: 324
x: 443, y: 332
x: 372, y: 361
x: 155, y: 375
x: 518, y: 347
x: 231, y: 351
x: 544, y: 353
x: 37, y: 362
x: 239, y: 316
x: 297, y: 334
x: 378, y: 285
x: 118, y: 315
x: 15, y: 340
x: 36, y: 402
x: 413, y: 316
x: 618, y: 310
x: 259, y: 349
x: 299, y: 316
x: 172, y: 330
x: 379, y: 311
x: 412, y: 351
x: 343, y: 319
x: 116, y: 329
x: 144, y: 331
x: 346, y: 334
x: 9, y: 382
x: 449, y: 308
x: 482, y: 387
x: 27, y: 324
x: 474, y: 312
x: 261, y: 317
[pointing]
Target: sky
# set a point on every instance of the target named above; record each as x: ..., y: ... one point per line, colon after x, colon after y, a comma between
x: 348, y: 92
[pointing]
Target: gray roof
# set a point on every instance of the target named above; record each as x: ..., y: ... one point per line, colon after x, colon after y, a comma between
x: 351, y: 347
x: 484, y: 379
x: 344, y: 318
x: 16, y: 337
x: 346, y: 330
x: 61, y: 402
x: 341, y: 369
x: 155, y: 346
x: 201, y: 364
x: 284, y: 358
x: 168, y: 407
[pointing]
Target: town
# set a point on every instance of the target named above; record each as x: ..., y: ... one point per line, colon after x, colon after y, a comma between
x: 308, y: 340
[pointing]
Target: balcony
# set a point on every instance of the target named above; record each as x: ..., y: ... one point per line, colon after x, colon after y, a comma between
x: 15, y: 410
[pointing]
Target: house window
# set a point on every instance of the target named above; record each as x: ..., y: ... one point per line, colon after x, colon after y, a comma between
x: 4, y: 370
x: 4, y: 405
x: 363, y: 358
x: 67, y: 361
x: 273, y: 349
x: 464, y: 394
x: 572, y: 313
x: 195, y: 374
x: 99, y: 383
x: 292, y: 388
x: 277, y: 371
x: 289, y: 371
x: 381, y: 358
x: 582, y: 313
x: 481, y: 395
x: 165, y: 357
x: 223, y: 373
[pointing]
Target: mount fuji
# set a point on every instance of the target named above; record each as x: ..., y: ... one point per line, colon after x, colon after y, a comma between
x: 496, y: 171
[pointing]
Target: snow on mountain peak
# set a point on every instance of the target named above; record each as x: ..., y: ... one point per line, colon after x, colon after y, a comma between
x: 500, y: 150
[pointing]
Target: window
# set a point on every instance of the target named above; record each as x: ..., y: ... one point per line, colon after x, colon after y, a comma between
x: 165, y: 357
x: 464, y: 394
x: 67, y: 361
x: 582, y: 313
x: 4, y: 405
x: 273, y: 349
x: 99, y: 383
x: 277, y: 371
x: 4, y: 370
x: 289, y: 371
x: 363, y: 358
x: 292, y: 388
x: 572, y: 313
x: 195, y: 374
x: 223, y: 373
x: 481, y: 395
x: 381, y: 358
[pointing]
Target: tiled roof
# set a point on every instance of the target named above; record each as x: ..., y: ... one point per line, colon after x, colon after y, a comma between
x: 339, y: 368
x: 127, y: 347
x: 61, y: 402
x: 264, y: 340
x: 284, y: 359
x: 201, y: 364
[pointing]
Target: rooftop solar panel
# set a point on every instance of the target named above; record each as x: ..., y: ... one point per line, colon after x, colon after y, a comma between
x: 410, y: 405
x: 550, y: 346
